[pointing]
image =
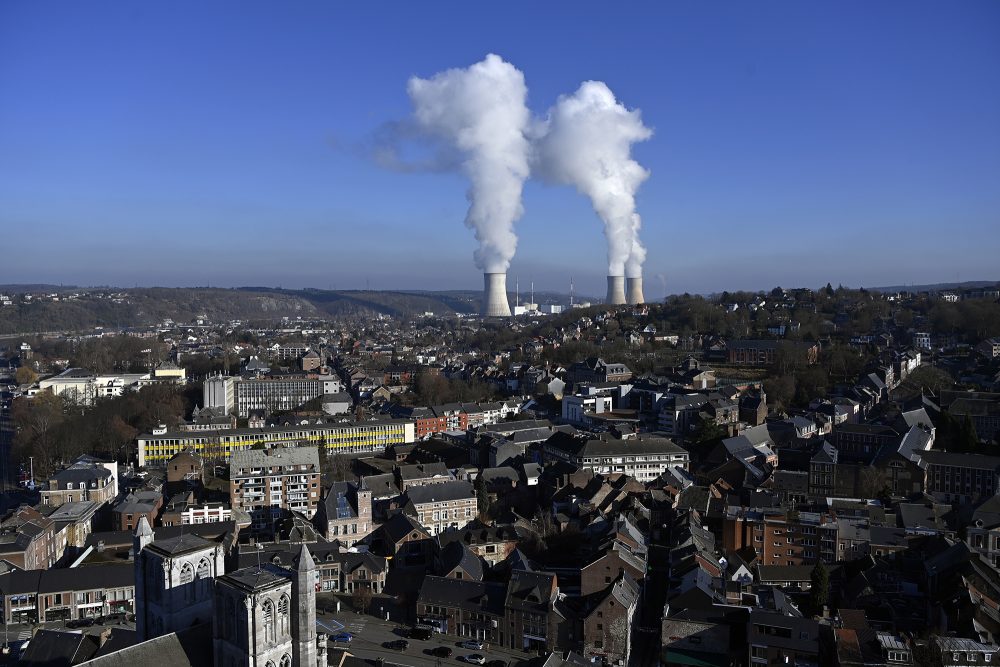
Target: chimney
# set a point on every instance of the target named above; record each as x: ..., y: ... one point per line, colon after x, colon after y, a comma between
x: 495, y: 295
x: 616, y: 290
x: 635, y: 296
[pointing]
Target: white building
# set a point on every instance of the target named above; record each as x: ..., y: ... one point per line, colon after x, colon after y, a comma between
x: 643, y: 457
x: 219, y: 391
x: 84, y: 387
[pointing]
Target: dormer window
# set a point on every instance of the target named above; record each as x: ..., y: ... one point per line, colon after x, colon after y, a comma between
x: 69, y: 485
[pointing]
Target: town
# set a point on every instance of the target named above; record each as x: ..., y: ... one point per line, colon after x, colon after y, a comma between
x: 803, y: 477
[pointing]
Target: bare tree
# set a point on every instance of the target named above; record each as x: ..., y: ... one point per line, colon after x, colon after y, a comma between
x: 362, y: 598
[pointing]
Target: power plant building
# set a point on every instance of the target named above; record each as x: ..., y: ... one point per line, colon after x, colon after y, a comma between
x: 495, y: 302
x: 616, y: 290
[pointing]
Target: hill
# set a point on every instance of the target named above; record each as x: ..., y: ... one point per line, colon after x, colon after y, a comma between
x: 135, y: 307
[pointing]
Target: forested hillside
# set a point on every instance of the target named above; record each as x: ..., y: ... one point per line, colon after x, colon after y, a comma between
x: 145, y: 306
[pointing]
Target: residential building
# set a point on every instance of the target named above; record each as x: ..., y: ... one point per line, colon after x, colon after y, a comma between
x: 960, y: 478
x: 781, y: 537
x: 766, y: 352
x: 607, y: 625
x: 67, y: 593
x: 185, y: 466
x: 83, y: 480
x: 441, y: 507
x: 519, y: 614
x: 264, y: 482
x: 776, y: 639
x: 644, y: 457
x: 595, y: 369
x: 129, y: 510
x: 28, y: 540
x: 345, y: 514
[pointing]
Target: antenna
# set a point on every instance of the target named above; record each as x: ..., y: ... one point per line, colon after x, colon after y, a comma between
x: 517, y: 290
x: 532, y: 291
x: 571, y: 291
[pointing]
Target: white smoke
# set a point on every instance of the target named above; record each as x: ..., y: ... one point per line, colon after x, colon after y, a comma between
x: 481, y: 112
x: 586, y: 141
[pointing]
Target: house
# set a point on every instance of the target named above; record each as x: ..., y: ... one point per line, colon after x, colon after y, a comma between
x: 404, y: 540
x: 767, y: 352
x: 608, y: 621
x: 83, y: 480
x: 127, y: 511
x: 446, y: 506
x: 187, y: 467
x: 28, y: 540
x: 345, y: 513
x: 776, y: 639
x: 643, y: 457
x: 518, y: 614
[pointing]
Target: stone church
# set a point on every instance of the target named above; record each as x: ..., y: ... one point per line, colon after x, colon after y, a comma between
x: 259, y: 616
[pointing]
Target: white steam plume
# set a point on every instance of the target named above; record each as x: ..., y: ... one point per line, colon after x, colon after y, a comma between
x: 481, y: 112
x: 586, y: 142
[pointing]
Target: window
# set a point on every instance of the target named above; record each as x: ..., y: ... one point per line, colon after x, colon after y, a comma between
x: 283, y: 615
x: 267, y: 611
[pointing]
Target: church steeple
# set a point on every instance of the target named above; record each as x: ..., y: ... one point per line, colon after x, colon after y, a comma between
x: 304, y: 603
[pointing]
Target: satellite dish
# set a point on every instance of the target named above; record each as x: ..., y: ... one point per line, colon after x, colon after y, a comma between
x: 723, y: 563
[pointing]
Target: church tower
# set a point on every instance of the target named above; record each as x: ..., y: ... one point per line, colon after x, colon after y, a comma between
x: 174, y: 580
x: 304, y: 603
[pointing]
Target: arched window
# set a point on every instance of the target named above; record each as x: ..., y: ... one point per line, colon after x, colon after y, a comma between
x: 283, y: 615
x: 267, y: 610
x: 204, y: 576
x: 268, y: 664
x: 286, y: 661
x: 187, y: 582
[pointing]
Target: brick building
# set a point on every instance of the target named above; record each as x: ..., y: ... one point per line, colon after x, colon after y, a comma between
x: 265, y: 482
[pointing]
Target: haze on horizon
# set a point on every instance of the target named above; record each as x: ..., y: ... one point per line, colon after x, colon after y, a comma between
x: 231, y: 143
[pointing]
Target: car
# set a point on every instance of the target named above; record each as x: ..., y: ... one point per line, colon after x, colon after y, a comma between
x: 422, y: 633
x: 441, y: 651
x: 344, y: 637
x: 472, y: 645
x: 397, y: 645
x: 473, y: 659
x: 73, y: 623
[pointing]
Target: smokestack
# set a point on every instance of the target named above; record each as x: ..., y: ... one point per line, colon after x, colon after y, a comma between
x: 635, y: 296
x: 616, y: 290
x: 495, y: 295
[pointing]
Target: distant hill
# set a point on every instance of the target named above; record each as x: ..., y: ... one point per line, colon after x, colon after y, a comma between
x: 40, y: 287
x: 936, y: 287
x: 147, y: 306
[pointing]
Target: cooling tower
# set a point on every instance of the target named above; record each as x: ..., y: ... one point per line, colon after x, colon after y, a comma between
x: 635, y: 296
x: 616, y: 290
x: 495, y: 295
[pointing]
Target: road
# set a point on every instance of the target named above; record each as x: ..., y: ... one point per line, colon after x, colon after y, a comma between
x: 371, y: 633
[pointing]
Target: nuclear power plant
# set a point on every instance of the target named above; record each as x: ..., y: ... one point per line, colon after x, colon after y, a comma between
x: 634, y: 295
x: 495, y: 302
x: 616, y: 290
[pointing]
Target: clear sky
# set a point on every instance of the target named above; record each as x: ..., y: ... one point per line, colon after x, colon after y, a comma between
x: 224, y: 143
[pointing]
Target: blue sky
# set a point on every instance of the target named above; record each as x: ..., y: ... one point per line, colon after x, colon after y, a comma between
x: 223, y: 143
